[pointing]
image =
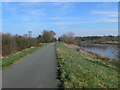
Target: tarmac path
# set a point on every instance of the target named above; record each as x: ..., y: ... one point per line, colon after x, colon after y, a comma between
x: 38, y: 70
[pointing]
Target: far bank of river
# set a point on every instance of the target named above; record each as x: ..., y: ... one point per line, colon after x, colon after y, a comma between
x: 108, y: 50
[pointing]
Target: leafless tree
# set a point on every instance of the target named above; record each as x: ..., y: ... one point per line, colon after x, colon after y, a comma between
x: 68, y: 38
x: 47, y: 36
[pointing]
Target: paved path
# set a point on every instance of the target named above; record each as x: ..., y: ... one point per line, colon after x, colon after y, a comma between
x: 36, y: 71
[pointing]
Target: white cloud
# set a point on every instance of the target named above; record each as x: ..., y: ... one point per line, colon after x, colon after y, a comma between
x: 110, y: 16
x: 33, y: 14
x: 57, y: 23
x: 22, y: 13
x: 110, y: 20
x: 62, y: 18
x: 62, y: 8
x: 96, y: 31
x: 65, y: 23
x: 108, y: 13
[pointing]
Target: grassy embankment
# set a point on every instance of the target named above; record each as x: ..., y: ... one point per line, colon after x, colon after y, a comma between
x: 80, y: 70
x: 12, y: 59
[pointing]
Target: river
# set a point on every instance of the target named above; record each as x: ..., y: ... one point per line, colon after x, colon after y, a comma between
x: 108, y: 50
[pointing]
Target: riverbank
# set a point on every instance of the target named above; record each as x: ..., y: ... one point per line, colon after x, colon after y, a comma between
x: 96, y: 42
x: 97, y: 56
x: 111, y: 42
x: 82, y: 69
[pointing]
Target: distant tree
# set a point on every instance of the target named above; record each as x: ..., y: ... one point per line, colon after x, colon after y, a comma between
x: 26, y: 35
x: 47, y: 36
x: 68, y: 38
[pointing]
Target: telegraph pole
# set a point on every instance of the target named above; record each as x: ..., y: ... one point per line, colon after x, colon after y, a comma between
x: 30, y: 34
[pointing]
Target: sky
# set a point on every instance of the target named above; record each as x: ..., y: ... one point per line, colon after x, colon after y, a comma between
x: 81, y: 18
x: 60, y: 0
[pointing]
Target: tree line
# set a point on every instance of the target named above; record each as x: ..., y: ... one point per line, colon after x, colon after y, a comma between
x: 70, y: 38
x: 15, y: 43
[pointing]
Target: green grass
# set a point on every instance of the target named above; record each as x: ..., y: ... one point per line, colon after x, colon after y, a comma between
x: 79, y: 70
x: 10, y: 60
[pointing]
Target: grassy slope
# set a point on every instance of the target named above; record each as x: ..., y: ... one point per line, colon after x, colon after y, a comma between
x: 77, y: 70
x: 6, y: 62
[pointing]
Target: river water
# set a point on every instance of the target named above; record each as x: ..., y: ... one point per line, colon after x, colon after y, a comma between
x: 108, y: 50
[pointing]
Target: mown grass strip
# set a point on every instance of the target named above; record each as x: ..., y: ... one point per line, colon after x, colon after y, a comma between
x: 78, y: 71
x: 6, y: 62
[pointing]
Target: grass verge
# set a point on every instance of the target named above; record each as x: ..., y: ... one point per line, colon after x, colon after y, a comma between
x: 10, y: 60
x: 79, y: 70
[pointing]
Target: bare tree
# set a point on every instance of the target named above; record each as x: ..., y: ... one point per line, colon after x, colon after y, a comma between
x: 47, y: 36
x: 8, y: 44
x: 68, y: 38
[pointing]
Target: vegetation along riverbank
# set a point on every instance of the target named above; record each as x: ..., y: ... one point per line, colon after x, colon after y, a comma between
x: 81, y: 69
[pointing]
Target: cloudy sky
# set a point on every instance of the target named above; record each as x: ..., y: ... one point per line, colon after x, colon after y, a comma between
x: 82, y: 18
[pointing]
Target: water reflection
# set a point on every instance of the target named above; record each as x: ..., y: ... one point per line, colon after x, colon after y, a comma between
x: 110, y: 51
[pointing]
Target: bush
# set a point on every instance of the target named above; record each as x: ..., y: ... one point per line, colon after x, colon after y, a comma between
x: 12, y: 44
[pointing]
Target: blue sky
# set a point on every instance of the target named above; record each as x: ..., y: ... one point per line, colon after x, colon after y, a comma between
x: 81, y: 18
